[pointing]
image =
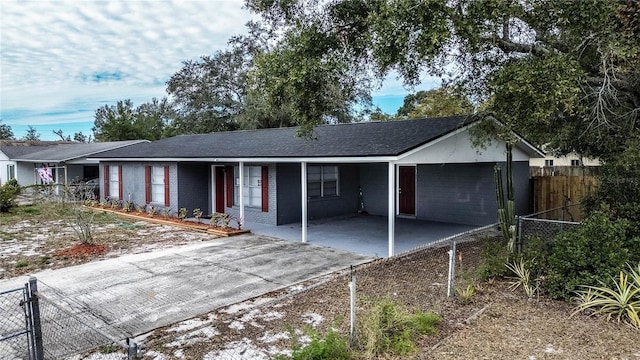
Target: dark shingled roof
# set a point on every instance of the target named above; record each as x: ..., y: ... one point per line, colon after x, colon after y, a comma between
x: 17, y: 148
x: 70, y: 151
x: 353, y: 140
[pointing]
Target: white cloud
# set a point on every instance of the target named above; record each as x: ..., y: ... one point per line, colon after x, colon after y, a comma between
x: 60, y: 54
x: 61, y: 60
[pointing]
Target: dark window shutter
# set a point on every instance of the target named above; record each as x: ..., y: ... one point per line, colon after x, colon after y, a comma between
x: 265, y: 188
x: 147, y: 184
x: 120, y: 182
x: 229, y: 173
x: 166, y: 186
x: 106, y: 181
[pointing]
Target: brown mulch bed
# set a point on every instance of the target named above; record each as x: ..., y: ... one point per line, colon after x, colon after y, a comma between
x: 82, y: 250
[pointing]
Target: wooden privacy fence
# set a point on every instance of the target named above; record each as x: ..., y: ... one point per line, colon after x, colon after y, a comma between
x: 551, y: 192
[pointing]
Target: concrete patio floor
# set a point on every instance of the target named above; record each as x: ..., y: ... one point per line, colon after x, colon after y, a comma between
x: 363, y: 234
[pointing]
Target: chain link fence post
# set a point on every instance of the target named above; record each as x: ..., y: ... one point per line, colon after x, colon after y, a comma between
x: 352, y: 291
x: 36, y: 326
x: 452, y: 270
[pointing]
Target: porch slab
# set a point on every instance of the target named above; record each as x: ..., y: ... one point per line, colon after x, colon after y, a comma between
x: 364, y: 234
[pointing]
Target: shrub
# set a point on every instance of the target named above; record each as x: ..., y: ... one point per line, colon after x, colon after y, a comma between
x: 495, y: 254
x: 330, y: 346
x: 7, y: 197
x: 587, y: 255
x: 388, y: 328
x: 14, y: 183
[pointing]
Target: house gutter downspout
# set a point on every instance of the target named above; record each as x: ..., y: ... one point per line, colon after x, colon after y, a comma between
x: 303, y: 186
x: 391, y: 206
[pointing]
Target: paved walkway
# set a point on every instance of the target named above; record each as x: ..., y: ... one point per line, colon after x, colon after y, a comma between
x: 133, y: 294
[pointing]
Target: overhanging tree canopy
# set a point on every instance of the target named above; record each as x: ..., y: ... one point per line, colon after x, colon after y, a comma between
x: 560, y: 71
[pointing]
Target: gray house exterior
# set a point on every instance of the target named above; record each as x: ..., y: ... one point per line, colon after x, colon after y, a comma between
x: 67, y: 160
x: 424, y: 169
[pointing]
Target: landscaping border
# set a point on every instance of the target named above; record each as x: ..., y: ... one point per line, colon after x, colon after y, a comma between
x: 187, y: 224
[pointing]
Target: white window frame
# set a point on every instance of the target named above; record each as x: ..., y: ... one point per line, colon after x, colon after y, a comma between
x: 323, y: 180
x: 114, y: 182
x: 576, y: 162
x: 252, y: 186
x: 11, y: 171
x: 548, y: 162
x: 157, y: 184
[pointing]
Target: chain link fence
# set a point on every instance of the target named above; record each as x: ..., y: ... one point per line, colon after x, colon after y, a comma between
x: 14, y: 327
x: 545, y: 225
x: 65, y: 334
x: 32, y: 327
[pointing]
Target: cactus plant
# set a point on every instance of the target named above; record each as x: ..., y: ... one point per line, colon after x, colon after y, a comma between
x: 506, y: 208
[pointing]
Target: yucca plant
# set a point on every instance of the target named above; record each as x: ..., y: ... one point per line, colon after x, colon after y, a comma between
x: 522, y: 278
x: 466, y: 294
x: 621, y: 302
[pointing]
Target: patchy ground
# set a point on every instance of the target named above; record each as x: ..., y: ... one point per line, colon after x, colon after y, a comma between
x: 495, y: 324
x: 40, y: 237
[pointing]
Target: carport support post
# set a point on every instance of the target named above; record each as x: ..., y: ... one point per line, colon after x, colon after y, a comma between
x: 241, y: 192
x: 303, y: 186
x: 392, y: 204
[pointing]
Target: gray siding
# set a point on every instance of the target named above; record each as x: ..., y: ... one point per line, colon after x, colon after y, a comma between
x: 194, y: 183
x: 465, y: 193
x: 375, y: 187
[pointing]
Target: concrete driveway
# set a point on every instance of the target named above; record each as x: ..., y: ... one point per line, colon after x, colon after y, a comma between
x: 133, y: 294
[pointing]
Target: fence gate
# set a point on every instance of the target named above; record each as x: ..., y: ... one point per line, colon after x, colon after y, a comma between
x: 19, y: 319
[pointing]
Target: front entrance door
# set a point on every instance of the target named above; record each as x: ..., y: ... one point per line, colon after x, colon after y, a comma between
x: 219, y: 189
x: 407, y: 190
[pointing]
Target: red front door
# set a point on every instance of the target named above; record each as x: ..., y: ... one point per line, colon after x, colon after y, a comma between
x: 219, y: 189
x: 407, y: 190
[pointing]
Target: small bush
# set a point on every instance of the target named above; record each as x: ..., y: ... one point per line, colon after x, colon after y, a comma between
x: 588, y: 255
x: 330, y: 346
x: 389, y: 329
x: 495, y: 254
x: 8, y: 195
x: 16, y: 186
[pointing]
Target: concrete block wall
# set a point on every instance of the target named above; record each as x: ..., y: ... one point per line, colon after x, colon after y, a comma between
x: 375, y: 187
x: 465, y: 193
x: 133, y: 183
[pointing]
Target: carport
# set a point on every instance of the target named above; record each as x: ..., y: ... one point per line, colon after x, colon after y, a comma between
x: 364, y: 234
x: 421, y: 170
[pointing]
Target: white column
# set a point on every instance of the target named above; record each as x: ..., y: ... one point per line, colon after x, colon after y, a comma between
x: 303, y: 186
x: 392, y: 207
x: 241, y: 192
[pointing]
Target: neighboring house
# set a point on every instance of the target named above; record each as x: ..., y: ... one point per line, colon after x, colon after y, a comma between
x: 66, y: 162
x: 571, y: 159
x: 422, y: 169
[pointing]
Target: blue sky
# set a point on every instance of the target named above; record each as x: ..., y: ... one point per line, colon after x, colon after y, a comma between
x: 61, y: 60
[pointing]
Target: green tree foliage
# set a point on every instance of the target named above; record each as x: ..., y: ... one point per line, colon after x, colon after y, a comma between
x: 262, y: 81
x: 563, y: 71
x: 31, y: 134
x: 438, y: 102
x: 588, y: 255
x: 209, y: 93
x: 124, y: 122
x: 619, y: 189
x: 6, y: 133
